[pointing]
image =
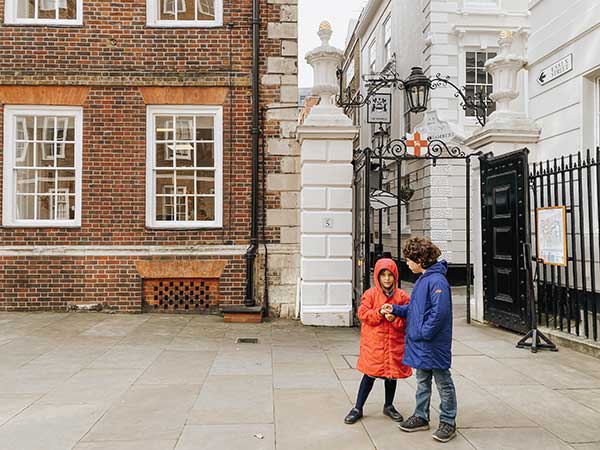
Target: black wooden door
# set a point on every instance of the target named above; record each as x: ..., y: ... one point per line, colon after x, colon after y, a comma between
x: 505, y: 229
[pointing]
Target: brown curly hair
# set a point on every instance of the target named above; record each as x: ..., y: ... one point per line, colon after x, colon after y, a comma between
x: 422, y: 251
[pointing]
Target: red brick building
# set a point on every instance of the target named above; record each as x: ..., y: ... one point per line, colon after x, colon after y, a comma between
x: 127, y: 149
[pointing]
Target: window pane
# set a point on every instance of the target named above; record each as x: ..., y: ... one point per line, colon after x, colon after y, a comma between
x: 164, y: 181
x: 25, y: 181
x: 481, y: 76
x: 183, y: 153
x: 65, y: 155
x: 66, y: 181
x: 47, y: 8
x: 25, y: 207
x: 205, y: 208
x: 24, y: 154
x: 164, y: 128
x: 470, y: 59
x: 205, y: 182
x: 481, y: 59
x: 164, y: 208
x: 184, y: 128
x: 204, y: 128
x: 43, y: 207
x: 46, y: 181
x: 470, y: 75
x: 186, y: 10
x: 206, y: 9
x: 164, y: 155
x: 65, y: 129
x: 24, y: 130
x: 45, y: 128
x: 25, y: 9
x: 185, y: 181
x: 69, y: 10
x: 170, y: 9
x: 45, y: 154
x: 205, y: 155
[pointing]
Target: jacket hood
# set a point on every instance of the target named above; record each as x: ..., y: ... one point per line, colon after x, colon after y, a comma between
x: 382, y: 264
x: 438, y: 267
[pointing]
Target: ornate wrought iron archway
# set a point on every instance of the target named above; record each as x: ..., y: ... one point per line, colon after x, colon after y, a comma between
x: 369, y: 199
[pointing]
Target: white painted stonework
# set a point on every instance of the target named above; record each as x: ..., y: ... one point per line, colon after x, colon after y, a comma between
x: 326, y: 198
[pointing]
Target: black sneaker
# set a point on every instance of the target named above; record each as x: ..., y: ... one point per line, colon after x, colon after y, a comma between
x: 445, y: 432
x: 353, y: 416
x: 414, y: 423
x: 391, y: 412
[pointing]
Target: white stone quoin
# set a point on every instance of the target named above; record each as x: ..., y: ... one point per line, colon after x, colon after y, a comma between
x: 326, y: 197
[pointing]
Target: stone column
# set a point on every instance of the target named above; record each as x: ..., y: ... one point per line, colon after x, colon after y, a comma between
x: 326, y: 197
x: 507, y: 130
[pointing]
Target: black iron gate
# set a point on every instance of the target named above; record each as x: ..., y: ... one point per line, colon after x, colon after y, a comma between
x: 367, y: 193
x: 567, y: 291
x: 505, y: 232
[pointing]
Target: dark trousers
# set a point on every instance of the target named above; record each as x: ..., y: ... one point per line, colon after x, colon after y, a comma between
x: 365, y: 389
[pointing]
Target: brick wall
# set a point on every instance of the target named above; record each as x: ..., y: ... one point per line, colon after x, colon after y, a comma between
x: 49, y: 283
x: 115, y: 54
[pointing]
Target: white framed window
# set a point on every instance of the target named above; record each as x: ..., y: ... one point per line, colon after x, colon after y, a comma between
x: 184, y: 167
x: 477, y: 79
x: 185, y: 13
x: 387, y: 39
x: 44, y: 12
x: 373, y: 57
x: 42, y: 166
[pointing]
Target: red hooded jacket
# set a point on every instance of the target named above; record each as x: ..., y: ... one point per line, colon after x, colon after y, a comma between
x: 382, y: 342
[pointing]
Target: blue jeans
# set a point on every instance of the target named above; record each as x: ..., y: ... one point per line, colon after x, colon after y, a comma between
x: 445, y: 387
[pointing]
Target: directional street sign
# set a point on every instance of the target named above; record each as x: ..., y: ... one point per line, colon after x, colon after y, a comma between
x: 556, y: 70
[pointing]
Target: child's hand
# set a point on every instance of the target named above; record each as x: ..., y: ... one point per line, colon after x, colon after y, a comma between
x: 386, y: 308
x: 390, y: 317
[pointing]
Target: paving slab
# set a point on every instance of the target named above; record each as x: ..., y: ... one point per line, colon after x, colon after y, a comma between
x: 127, y: 357
x: 127, y: 445
x: 93, y: 386
x: 242, y: 363
x: 552, y: 374
x: 13, y: 404
x: 514, y: 439
x: 319, y: 424
x: 587, y: 397
x: 146, y: 413
x: 231, y: 399
x: 486, y: 371
x: 386, y: 435
x: 222, y: 437
x: 49, y: 427
x: 175, y: 368
x: 566, y: 418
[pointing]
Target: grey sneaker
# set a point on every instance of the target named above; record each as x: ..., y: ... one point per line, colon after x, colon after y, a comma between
x: 445, y: 432
x: 414, y: 423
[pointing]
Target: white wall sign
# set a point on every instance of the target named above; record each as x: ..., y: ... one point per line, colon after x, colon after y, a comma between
x: 556, y: 70
x: 380, y: 109
x: 435, y: 128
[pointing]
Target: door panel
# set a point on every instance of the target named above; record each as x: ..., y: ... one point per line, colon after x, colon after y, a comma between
x: 504, y: 230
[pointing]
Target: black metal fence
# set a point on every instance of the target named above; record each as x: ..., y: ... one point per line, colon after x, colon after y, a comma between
x: 567, y: 296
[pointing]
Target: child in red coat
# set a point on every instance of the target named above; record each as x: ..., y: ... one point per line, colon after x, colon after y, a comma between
x: 381, y: 340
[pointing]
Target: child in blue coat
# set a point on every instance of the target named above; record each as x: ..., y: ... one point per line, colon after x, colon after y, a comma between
x: 429, y: 337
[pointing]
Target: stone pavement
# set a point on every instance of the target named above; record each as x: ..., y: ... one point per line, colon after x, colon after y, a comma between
x: 155, y: 382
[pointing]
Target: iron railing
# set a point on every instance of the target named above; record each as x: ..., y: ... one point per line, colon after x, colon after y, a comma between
x: 567, y: 296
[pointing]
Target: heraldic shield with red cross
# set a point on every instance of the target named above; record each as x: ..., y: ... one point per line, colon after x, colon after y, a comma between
x: 416, y: 145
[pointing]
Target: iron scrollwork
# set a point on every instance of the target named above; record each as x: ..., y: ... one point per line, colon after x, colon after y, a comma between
x: 480, y: 104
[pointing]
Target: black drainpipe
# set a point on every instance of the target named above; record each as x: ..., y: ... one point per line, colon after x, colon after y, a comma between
x: 251, y: 252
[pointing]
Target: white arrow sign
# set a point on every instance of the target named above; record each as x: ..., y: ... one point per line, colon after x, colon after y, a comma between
x: 559, y: 68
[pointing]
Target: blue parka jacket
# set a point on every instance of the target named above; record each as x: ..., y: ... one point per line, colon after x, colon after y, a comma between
x: 429, y: 320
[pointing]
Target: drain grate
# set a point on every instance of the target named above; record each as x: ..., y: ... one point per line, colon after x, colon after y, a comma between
x: 242, y: 340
